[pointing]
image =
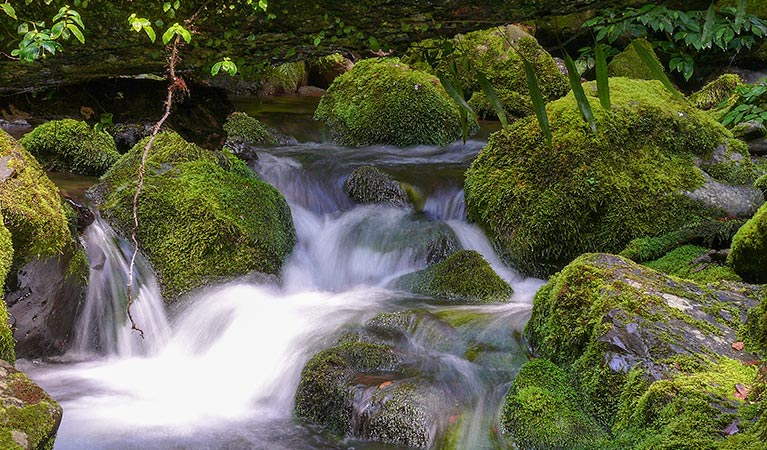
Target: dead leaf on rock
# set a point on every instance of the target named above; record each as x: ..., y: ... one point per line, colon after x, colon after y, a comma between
x: 741, y: 391
x: 384, y: 384
x: 738, y: 345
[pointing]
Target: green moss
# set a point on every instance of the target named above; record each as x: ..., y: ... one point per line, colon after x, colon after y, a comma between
x: 755, y: 329
x: 30, y: 204
x: 26, y: 410
x: 515, y: 105
x: 681, y: 263
x: 285, y: 78
x: 71, y: 146
x: 628, y: 63
x: 761, y: 184
x: 716, y: 233
x: 716, y: 91
x: 203, y: 216
x: 7, y: 343
x: 542, y: 410
x: 748, y: 256
x: 544, y: 205
x: 737, y: 167
x: 463, y: 276
x: 241, y: 127
x: 382, y: 101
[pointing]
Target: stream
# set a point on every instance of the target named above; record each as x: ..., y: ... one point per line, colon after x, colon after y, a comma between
x: 219, y: 370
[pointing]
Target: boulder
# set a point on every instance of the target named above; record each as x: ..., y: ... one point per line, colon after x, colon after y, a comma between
x: 740, y: 200
x: 715, y: 92
x: 368, y: 184
x: 544, y: 205
x: 628, y: 63
x: 29, y: 418
x: 749, y: 249
x: 464, y: 276
x: 326, y: 69
x: 71, y: 146
x: 383, y: 101
x: 243, y: 130
x: 203, y: 215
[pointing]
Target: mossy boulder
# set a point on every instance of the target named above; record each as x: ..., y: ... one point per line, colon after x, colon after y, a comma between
x: 71, y: 146
x: 203, y: 215
x: 368, y: 184
x: 383, y: 101
x: 628, y: 63
x: 542, y: 410
x: 242, y: 130
x: 690, y: 262
x: 464, y: 276
x: 761, y: 184
x: 29, y: 418
x: 715, y: 92
x: 544, y: 204
x: 30, y: 204
x: 604, y: 317
x: 7, y: 343
x: 749, y: 249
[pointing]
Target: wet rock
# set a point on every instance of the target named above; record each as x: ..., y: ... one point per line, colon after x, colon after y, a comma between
x: 126, y: 135
x: 736, y: 201
x: 325, y: 70
x: 368, y: 184
x: 311, y: 91
x: 748, y: 131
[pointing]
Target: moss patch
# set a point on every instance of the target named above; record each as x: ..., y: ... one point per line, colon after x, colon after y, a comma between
x: 241, y: 128
x: 71, y: 146
x: 544, y: 205
x: 30, y: 204
x: 464, y: 276
x: 749, y: 249
x: 681, y: 262
x: 628, y: 63
x: 382, y: 101
x: 7, y: 343
x: 716, y: 92
x: 203, y: 215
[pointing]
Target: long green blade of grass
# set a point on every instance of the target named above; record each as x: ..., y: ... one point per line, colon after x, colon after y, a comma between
x: 603, y: 80
x: 487, y: 88
x: 580, y: 95
x: 656, y: 69
x: 539, y: 104
x: 464, y: 109
x: 740, y: 16
x: 708, y: 27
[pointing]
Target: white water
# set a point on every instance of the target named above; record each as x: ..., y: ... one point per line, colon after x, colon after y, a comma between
x: 222, y: 372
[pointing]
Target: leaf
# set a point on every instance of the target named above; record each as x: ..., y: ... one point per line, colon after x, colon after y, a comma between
x: 539, y: 105
x: 580, y: 96
x: 740, y: 15
x: 76, y: 32
x: 656, y: 69
x: 464, y: 109
x: 8, y: 9
x: 487, y: 88
x: 603, y: 80
x: 150, y: 32
x: 741, y: 391
x: 216, y: 68
x: 708, y: 25
x: 738, y: 345
x: 168, y: 35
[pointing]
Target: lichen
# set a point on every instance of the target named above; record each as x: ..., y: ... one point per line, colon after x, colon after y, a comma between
x: 71, y: 146
x: 715, y: 92
x: 382, y: 101
x: 203, y: 215
x: 464, y: 276
x: 748, y: 256
x: 628, y: 63
x: 591, y: 191
x: 30, y: 204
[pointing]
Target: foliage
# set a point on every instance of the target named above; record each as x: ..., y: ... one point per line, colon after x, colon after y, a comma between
x: 37, y: 40
x: 71, y: 146
x: 748, y: 255
x: 749, y: 104
x: 682, y: 35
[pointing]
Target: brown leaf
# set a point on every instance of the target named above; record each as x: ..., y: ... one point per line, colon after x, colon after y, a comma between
x: 741, y: 391
x: 87, y: 112
x: 738, y: 345
x: 384, y: 384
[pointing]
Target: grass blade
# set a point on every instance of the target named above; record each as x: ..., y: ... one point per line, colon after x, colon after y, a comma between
x: 487, y: 88
x: 539, y: 104
x: 463, y: 108
x: 740, y: 15
x: 656, y: 69
x: 708, y: 27
x: 580, y: 96
x: 603, y: 80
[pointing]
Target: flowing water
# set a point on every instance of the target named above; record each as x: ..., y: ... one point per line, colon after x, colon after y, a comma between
x: 220, y: 371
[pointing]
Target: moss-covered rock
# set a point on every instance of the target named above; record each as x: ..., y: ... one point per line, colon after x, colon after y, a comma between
x: 368, y: 184
x: 29, y: 418
x: 7, y: 342
x: 542, y: 410
x: 715, y: 92
x: 684, y: 262
x: 761, y: 184
x: 464, y: 276
x: 71, y: 146
x: 592, y: 191
x: 755, y: 329
x: 628, y: 63
x: 749, y: 249
x: 30, y: 204
x: 241, y: 129
x: 283, y: 79
x: 383, y: 101
x: 203, y: 215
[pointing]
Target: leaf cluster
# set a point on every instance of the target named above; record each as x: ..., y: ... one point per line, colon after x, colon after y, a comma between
x: 38, y: 40
x: 749, y: 107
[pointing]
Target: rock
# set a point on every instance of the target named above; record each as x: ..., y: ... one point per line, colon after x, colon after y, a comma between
x: 432, y: 241
x: 464, y: 276
x: 761, y: 184
x: 382, y: 101
x: 71, y: 146
x: 29, y: 418
x: 715, y: 92
x: 204, y: 214
x: 367, y: 184
x: 735, y: 201
x: 284, y: 79
x: 7, y: 344
x: 311, y: 91
x: 30, y: 204
x: 749, y: 249
x: 749, y: 131
x: 592, y: 191
x: 126, y: 135
x: 758, y: 147
x: 325, y: 70
x: 243, y: 131
x: 730, y: 164
x: 628, y: 63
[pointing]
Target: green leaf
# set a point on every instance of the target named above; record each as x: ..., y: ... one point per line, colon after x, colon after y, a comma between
x: 464, y: 109
x: 76, y: 32
x: 603, y: 80
x: 216, y: 68
x: 168, y: 35
x: 487, y: 88
x: 656, y: 69
x: 374, y: 44
x: 539, y: 105
x: 580, y: 95
x: 8, y: 9
x: 150, y: 32
x: 740, y: 15
x: 708, y: 26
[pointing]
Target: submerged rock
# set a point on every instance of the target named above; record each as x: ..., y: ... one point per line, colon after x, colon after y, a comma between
x: 593, y: 191
x: 464, y: 276
x: 749, y: 249
x: 71, y: 146
x: 367, y: 184
x: 204, y: 215
x: 383, y: 101
x: 29, y: 418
